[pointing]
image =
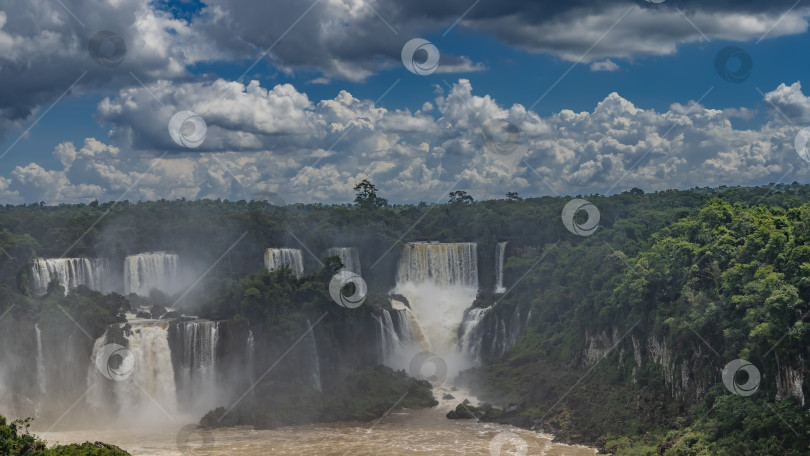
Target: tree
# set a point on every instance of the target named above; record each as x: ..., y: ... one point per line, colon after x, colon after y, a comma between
x: 460, y: 196
x: 367, y: 196
x: 513, y: 196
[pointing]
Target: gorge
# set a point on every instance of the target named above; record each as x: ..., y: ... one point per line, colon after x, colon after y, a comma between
x: 591, y: 339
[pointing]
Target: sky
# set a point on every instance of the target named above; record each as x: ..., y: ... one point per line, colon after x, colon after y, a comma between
x: 238, y: 99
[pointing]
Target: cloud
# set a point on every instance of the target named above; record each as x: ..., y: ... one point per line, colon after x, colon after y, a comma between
x: 277, y: 139
x: 789, y: 103
x: 604, y: 65
x: 44, y: 44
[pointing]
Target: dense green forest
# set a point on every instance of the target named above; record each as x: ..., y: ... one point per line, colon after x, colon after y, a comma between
x: 702, y: 276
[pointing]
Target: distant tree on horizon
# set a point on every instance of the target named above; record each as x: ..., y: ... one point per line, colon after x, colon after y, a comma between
x: 460, y: 196
x: 367, y: 196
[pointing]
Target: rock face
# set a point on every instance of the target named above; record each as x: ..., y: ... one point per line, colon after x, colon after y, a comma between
x: 689, y: 376
x: 789, y: 380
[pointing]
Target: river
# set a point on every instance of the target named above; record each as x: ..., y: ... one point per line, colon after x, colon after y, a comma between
x: 403, y: 432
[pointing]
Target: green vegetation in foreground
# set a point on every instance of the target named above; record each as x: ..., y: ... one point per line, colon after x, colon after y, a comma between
x: 357, y: 396
x: 16, y: 441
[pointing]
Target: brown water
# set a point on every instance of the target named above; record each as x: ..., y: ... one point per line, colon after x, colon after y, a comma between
x: 405, y: 432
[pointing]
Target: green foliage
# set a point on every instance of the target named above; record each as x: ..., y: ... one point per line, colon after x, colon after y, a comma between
x: 16, y: 441
x: 363, y: 395
x: 367, y: 196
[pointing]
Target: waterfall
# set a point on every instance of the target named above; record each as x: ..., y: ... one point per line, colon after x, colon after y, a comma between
x: 69, y: 272
x: 500, y: 255
x: 315, y: 375
x: 486, y: 334
x: 149, y: 394
x: 275, y: 258
x: 146, y: 271
x: 440, y: 281
x: 348, y: 255
x: 472, y: 334
x: 443, y: 264
x: 251, y: 356
x: 197, y: 362
x: 41, y: 378
x: 397, y: 338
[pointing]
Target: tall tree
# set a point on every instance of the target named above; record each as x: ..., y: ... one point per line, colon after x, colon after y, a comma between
x: 367, y: 196
x: 460, y: 196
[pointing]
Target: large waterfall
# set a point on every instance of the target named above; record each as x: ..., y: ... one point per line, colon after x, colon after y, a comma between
x: 69, y: 272
x: 148, y: 395
x: 348, y: 255
x: 146, y: 271
x: 440, y: 282
x: 275, y: 258
x: 196, y: 363
x: 500, y: 256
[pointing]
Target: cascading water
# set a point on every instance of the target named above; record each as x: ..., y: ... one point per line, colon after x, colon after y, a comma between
x: 146, y: 271
x: 70, y: 273
x: 486, y: 334
x: 149, y: 394
x: 500, y: 256
x: 251, y: 355
x: 275, y: 258
x: 398, y: 335
x: 348, y: 255
x: 41, y: 374
x: 314, y: 359
x: 197, y: 363
x: 471, y: 340
x: 440, y: 282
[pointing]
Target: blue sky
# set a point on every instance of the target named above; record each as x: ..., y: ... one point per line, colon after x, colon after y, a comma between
x: 309, y: 128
